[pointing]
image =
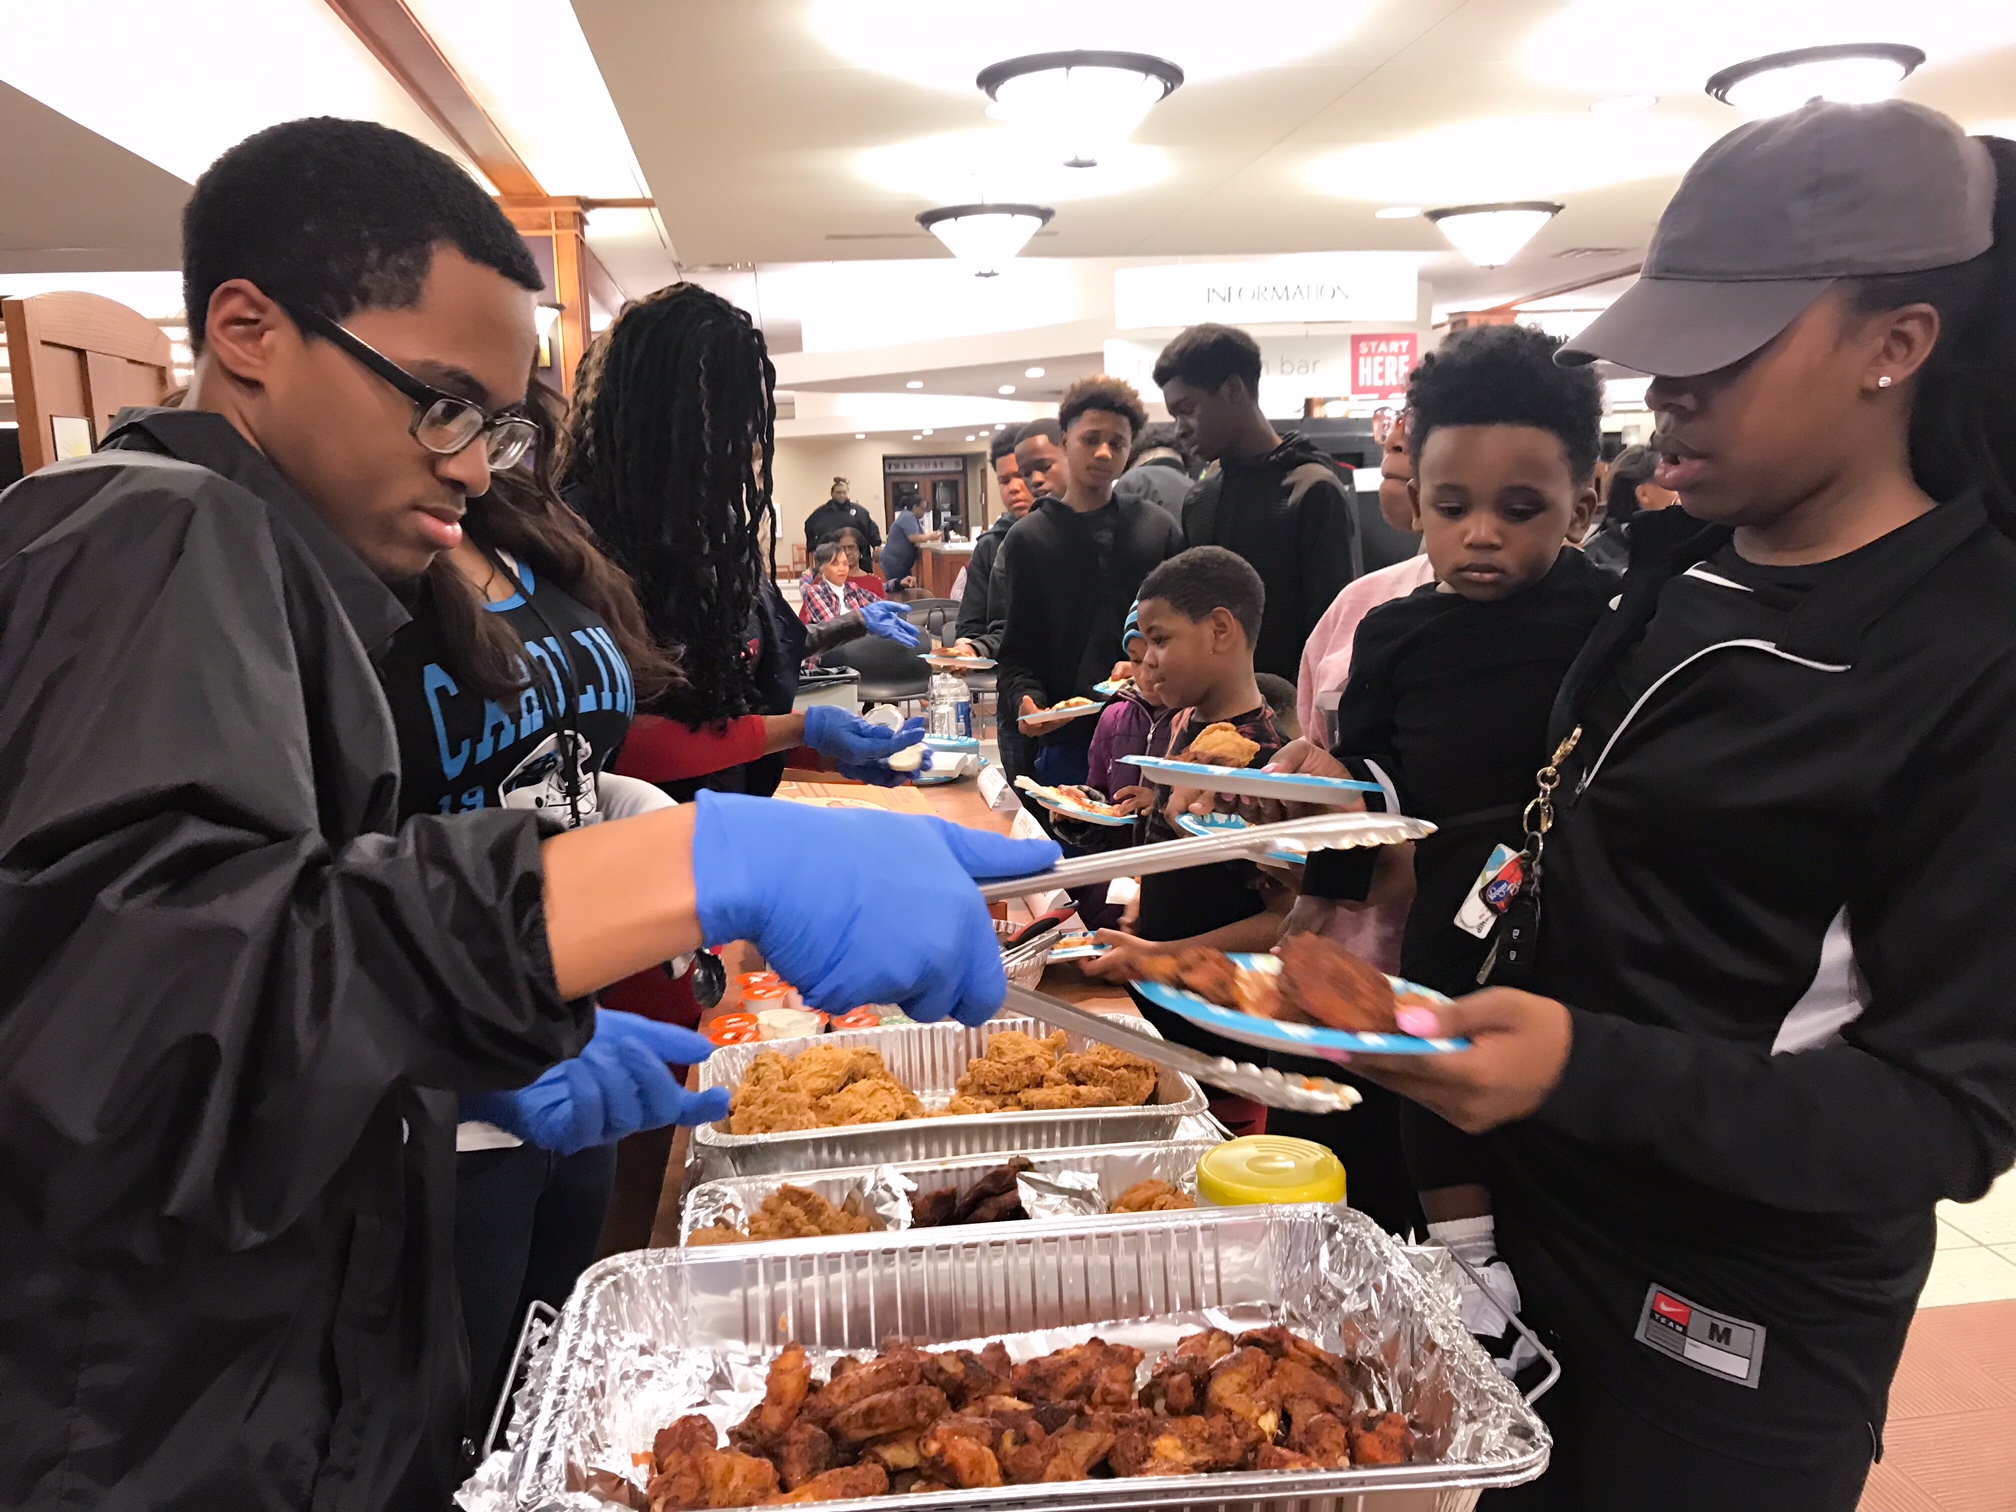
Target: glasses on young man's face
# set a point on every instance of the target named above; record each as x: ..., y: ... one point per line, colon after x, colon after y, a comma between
x: 444, y: 423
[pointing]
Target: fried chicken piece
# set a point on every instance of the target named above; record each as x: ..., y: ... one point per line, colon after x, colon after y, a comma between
x: 690, y: 1435
x: 794, y: 1212
x: 1274, y: 1457
x: 1323, y: 983
x: 861, y: 1380
x: 1128, y: 1078
x: 958, y: 1456
x: 1094, y: 1373
x: 712, y: 1478
x: 869, y: 1102
x: 841, y: 1485
x: 966, y: 1105
x: 1221, y: 745
x: 1295, y: 1382
x: 802, y: 1454
x: 1239, y: 1387
x: 1014, y: 1045
x: 1381, y: 1438
x: 1013, y: 1061
x: 770, y: 1110
x: 1257, y: 992
x: 821, y: 1070
x: 1208, y: 973
x: 1181, y: 1378
x: 771, y: 1069
x: 1079, y: 1448
x: 1151, y: 1196
x: 1284, y: 1345
x: 963, y: 1376
x: 784, y: 1392
x: 1048, y: 1099
x: 1147, y: 1445
x: 716, y: 1233
x: 934, y: 1209
x: 1320, y: 1437
x: 890, y: 1412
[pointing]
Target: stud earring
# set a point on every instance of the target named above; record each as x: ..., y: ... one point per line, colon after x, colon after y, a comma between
x: 1884, y: 381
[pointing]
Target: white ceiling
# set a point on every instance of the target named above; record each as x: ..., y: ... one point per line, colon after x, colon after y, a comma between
x: 807, y: 130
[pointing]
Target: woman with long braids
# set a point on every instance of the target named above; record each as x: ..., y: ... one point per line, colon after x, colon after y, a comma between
x: 668, y: 456
x: 1767, y: 1022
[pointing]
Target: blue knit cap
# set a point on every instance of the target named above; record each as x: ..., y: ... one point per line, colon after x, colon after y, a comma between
x: 1131, y: 631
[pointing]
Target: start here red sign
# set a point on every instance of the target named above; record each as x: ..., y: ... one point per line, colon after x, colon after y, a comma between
x: 1380, y: 364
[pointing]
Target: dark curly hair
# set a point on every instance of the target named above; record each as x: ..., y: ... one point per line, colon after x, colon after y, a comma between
x: 1102, y: 392
x: 1505, y: 375
x: 668, y: 455
x: 1208, y: 355
x: 1195, y: 582
x: 332, y: 216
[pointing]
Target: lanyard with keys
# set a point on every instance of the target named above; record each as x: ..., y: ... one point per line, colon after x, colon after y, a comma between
x: 1513, y: 891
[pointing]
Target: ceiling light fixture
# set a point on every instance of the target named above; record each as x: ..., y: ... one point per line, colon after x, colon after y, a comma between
x: 1084, y: 100
x: 1000, y: 425
x: 1032, y: 372
x: 985, y: 235
x: 925, y: 432
x: 1006, y: 388
x: 860, y: 435
x: 1854, y: 73
x: 1397, y: 212
x: 915, y: 383
x: 1623, y: 104
x: 1491, y: 235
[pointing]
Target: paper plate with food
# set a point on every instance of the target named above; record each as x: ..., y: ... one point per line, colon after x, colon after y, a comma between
x: 1079, y: 947
x: 1314, y: 998
x: 1216, y: 762
x: 1225, y: 824
x: 960, y: 663
x: 1082, y: 803
x: 1062, y: 712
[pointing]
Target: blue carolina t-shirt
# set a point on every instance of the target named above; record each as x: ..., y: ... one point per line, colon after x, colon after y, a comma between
x: 899, y: 557
x: 460, y: 751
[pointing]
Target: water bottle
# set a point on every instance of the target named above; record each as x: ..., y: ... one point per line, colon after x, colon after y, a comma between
x: 944, y: 717
x: 962, y: 709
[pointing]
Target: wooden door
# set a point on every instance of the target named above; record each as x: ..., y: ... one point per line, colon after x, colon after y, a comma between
x: 77, y: 360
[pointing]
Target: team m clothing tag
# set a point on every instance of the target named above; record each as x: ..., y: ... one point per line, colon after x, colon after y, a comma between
x: 1722, y: 1346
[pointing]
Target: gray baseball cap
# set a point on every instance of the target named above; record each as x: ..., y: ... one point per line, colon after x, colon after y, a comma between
x: 1770, y: 216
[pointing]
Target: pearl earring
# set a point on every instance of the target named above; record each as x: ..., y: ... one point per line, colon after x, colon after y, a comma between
x: 1884, y: 381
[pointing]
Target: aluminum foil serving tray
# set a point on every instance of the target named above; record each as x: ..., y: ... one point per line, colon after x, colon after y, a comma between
x: 929, y: 1059
x: 652, y: 1334
x: 1117, y: 1166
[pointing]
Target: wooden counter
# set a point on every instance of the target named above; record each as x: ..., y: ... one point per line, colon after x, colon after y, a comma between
x: 939, y: 566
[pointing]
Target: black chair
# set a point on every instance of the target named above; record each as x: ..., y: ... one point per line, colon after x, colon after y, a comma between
x: 935, y: 617
x: 890, y: 673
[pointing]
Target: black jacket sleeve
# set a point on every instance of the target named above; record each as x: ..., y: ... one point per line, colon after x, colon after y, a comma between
x: 974, y: 622
x: 1017, y: 657
x: 1917, y: 1102
x: 215, y: 972
x: 1332, y: 555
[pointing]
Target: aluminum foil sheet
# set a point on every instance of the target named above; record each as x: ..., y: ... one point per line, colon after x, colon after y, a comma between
x: 930, y: 1059
x: 1064, y: 1184
x: 654, y: 1334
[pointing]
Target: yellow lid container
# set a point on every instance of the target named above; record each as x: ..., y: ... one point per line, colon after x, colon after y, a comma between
x: 1269, y: 1168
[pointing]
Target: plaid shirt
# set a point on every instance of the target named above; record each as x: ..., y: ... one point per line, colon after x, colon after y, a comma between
x: 821, y: 601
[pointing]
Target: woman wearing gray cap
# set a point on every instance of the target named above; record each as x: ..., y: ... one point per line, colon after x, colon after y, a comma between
x: 1772, y: 1008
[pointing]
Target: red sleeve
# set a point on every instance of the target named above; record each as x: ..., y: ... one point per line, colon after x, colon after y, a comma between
x: 664, y: 750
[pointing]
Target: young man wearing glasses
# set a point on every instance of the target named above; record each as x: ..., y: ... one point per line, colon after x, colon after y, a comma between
x: 239, y: 998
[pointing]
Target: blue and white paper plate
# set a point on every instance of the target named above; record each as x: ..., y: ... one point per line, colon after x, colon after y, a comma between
x: 1061, y: 805
x: 1289, y: 787
x: 1112, y: 686
x: 1078, y: 947
x: 1301, y: 1039
x: 1220, y: 824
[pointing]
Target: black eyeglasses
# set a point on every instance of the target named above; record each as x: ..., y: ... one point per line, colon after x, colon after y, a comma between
x: 444, y: 423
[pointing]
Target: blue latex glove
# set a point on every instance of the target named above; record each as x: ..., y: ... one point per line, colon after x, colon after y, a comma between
x: 854, y: 907
x: 619, y: 1085
x: 859, y: 748
x: 891, y: 621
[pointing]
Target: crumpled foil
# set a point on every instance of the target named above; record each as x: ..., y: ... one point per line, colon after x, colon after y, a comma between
x: 1060, y: 1194
x: 655, y: 1334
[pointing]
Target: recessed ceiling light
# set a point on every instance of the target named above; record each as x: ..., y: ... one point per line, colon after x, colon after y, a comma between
x: 1083, y: 102
x: 860, y: 435
x: 925, y: 432
x: 1000, y: 425
x: 915, y: 383
x: 1491, y: 235
x: 1006, y: 388
x: 918, y: 437
x: 1397, y: 212
x: 985, y: 236
x: 1032, y: 372
x: 1624, y: 104
x: 1854, y: 73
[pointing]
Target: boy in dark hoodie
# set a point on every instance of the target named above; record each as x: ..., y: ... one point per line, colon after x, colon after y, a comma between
x: 1277, y: 501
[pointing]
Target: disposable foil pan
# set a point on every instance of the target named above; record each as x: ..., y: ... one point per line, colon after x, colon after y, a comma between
x: 654, y: 1334
x: 886, y: 1191
x: 930, y: 1060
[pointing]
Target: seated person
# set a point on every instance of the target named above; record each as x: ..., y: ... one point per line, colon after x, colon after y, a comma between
x: 826, y: 592
x: 860, y: 572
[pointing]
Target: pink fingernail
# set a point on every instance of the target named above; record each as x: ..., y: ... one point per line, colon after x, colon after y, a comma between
x: 1421, y: 1021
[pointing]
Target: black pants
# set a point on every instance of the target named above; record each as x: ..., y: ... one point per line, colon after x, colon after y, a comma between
x: 1608, y: 1459
x: 526, y: 1222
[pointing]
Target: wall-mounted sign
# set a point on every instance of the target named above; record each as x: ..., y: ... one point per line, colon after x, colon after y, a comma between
x: 1293, y: 369
x: 915, y: 466
x: 1380, y: 364
x: 1298, y: 289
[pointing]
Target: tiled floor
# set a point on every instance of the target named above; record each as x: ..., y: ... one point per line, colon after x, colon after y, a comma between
x: 1951, y: 1441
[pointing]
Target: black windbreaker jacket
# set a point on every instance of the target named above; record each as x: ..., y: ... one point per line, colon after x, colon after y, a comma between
x: 237, y: 1004
x: 1780, y: 900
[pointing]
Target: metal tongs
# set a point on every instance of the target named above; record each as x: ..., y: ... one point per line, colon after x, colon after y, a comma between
x: 1255, y: 841
x: 1264, y: 1084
